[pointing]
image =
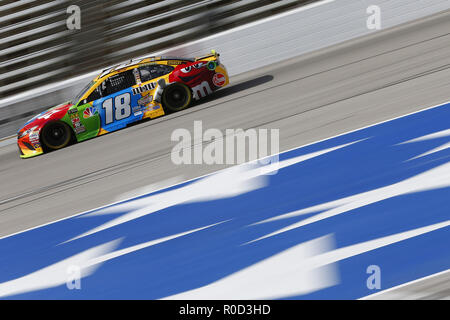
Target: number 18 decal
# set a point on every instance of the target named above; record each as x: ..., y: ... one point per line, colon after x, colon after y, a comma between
x: 122, y: 108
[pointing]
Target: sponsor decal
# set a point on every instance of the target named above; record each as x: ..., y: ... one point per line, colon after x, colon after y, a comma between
x: 89, y: 112
x: 34, y: 137
x: 148, y: 108
x: 137, y: 110
x: 74, y: 116
x: 201, y: 90
x: 174, y: 62
x: 146, y: 87
x: 137, y: 75
x: 219, y: 79
x: 145, y: 100
x: 79, y: 128
x: 72, y: 111
x: 151, y: 107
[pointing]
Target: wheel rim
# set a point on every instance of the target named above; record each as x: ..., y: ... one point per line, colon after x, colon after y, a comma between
x: 56, y: 135
x: 177, y: 97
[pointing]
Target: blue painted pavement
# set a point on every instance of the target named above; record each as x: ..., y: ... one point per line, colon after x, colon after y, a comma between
x: 377, y: 182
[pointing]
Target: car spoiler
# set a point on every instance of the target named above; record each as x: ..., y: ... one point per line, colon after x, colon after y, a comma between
x: 174, y: 58
x: 212, y: 54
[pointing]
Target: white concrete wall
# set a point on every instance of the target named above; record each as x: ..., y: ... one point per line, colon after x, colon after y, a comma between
x: 306, y: 29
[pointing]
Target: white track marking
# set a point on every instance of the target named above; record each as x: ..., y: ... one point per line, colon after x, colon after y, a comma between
x: 56, y: 274
x: 288, y: 273
x: 228, y: 183
x: 440, y: 148
x: 435, y: 135
x: 435, y: 178
x: 122, y: 252
x: 275, y: 277
x: 88, y: 261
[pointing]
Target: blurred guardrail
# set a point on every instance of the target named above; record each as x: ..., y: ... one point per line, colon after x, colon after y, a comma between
x: 36, y: 46
x: 38, y: 51
x: 248, y: 34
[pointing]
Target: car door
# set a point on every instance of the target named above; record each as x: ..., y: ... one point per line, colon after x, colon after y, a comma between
x: 117, y: 106
x: 84, y: 117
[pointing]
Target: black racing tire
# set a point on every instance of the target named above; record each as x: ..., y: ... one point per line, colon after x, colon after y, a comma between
x: 176, y: 97
x: 56, y: 135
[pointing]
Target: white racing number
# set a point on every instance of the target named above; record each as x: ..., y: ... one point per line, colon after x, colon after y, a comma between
x: 120, y: 110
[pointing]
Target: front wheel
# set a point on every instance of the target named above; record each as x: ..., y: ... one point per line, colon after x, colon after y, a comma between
x: 56, y: 135
x: 176, y: 97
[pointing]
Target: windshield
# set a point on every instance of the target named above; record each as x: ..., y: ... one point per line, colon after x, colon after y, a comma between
x: 82, y: 92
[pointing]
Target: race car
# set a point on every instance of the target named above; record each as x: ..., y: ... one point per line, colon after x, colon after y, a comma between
x: 142, y: 88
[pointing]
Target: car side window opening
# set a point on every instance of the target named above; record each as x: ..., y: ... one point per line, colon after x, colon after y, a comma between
x: 113, y: 84
x: 117, y: 82
x: 153, y: 71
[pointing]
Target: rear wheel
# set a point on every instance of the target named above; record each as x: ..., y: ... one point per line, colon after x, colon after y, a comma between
x: 176, y: 97
x: 56, y: 135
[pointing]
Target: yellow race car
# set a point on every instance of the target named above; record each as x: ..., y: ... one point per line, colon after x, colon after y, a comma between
x: 123, y: 94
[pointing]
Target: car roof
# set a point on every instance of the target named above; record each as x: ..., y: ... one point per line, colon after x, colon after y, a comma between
x: 131, y: 64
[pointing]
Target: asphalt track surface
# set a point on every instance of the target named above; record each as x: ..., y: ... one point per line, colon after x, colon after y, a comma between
x: 309, y: 98
x: 431, y: 288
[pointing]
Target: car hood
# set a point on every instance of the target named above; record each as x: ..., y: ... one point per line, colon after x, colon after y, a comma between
x: 54, y: 113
